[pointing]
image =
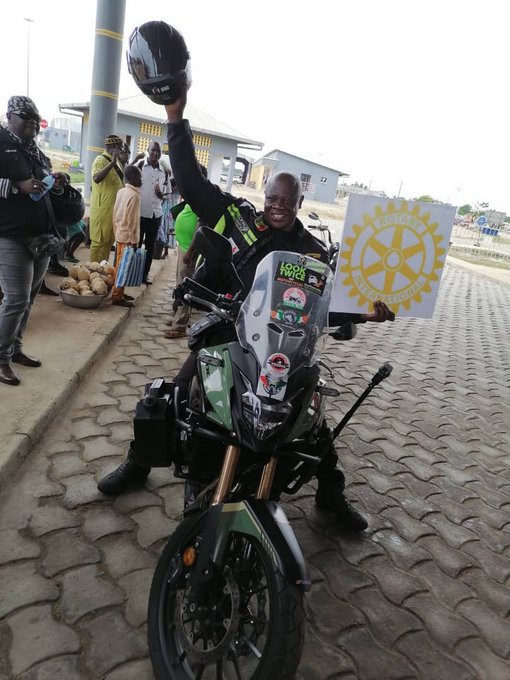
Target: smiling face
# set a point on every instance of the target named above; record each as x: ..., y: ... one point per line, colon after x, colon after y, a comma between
x: 24, y: 124
x: 154, y: 154
x: 283, y: 199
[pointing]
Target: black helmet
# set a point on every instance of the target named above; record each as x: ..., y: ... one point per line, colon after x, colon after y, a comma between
x: 158, y: 60
x: 68, y: 207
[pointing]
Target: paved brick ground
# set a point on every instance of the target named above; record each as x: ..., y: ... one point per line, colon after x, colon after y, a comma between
x: 423, y: 594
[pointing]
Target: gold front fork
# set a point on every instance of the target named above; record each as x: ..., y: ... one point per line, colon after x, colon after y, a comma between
x: 266, y: 481
x: 227, y: 474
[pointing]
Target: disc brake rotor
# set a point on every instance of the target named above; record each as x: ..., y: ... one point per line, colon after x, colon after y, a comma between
x: 207, y: 631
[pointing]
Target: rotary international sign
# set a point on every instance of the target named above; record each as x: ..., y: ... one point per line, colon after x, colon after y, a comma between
x: 392, y: 250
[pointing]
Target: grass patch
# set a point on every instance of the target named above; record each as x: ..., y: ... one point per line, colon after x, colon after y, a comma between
x: 483, y: 261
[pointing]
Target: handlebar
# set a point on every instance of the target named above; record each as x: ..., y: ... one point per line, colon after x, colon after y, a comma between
x: 222, y: 305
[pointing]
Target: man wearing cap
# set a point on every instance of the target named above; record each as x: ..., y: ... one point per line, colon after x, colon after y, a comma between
x: 107, y: 176
x: 23, y: 221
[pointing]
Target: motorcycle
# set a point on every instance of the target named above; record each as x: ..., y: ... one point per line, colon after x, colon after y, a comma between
x: 226, y: 600
x: 326, y: 238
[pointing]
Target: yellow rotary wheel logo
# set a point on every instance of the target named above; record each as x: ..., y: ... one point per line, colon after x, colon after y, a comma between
x: 393, y: 257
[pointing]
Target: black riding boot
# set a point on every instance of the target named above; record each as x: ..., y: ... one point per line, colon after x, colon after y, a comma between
x: 129, y: 475
x: 330, y: 494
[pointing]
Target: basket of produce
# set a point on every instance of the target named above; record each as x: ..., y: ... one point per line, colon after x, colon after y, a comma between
x: 87, y: 285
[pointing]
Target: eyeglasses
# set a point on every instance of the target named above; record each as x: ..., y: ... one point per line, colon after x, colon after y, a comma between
x: 28, y: 115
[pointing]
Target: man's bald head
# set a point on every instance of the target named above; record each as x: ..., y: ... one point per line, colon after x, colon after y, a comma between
x: 283, y: 198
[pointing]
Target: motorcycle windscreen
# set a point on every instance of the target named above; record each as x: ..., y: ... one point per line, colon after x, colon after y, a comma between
x: 283, y: 317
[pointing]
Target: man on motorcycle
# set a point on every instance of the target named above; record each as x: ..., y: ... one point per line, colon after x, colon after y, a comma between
x: 252, y: 235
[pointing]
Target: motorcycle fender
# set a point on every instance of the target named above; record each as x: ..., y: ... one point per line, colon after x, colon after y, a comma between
x: 265, y: 521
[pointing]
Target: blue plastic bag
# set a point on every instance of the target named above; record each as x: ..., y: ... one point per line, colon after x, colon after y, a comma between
x: 136, y: 267
x: 124, y: 265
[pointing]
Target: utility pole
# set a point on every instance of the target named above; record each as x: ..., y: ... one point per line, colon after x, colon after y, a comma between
x: 104, y: 93
x: 29, y: 21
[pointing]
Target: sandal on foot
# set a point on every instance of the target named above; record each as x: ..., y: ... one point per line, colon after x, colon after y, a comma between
x: 173, y: 334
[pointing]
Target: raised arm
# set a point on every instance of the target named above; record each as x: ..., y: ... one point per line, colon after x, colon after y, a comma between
x: 205, y: 198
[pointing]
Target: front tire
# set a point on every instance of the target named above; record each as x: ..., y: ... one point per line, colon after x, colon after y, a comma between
x: 250, y: 628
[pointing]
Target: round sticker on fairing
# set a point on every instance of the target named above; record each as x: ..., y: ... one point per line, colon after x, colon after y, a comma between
x: 294, y: 297
x: 278, y: 364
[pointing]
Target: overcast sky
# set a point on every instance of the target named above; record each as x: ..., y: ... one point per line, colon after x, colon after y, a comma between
x: 385, y: 90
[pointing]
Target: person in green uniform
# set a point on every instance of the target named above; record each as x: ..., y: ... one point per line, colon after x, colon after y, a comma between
x: 107, y: 179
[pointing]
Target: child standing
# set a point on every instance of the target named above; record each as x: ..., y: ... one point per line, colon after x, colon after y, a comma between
x: 126, y: 225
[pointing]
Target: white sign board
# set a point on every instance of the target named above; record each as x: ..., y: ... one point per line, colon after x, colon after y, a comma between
x: 392, y: 250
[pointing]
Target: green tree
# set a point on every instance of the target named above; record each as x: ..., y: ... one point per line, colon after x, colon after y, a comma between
x: 426, y: 199
x: 465, y: 209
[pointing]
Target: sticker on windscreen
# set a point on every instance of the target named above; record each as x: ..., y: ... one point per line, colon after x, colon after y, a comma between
x: 300, y: 276
x: 272, y: 386
x: 278, y: 364
x: 289, y: 317
x: 295, y: 298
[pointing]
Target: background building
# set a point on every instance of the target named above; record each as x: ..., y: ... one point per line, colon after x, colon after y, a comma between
x: 139, y: 121
x: 319, y: 182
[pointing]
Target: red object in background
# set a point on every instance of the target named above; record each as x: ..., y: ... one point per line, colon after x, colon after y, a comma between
x: 44, y: 123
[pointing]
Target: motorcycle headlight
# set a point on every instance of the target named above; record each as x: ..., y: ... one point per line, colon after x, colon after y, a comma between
x: 264, y: 419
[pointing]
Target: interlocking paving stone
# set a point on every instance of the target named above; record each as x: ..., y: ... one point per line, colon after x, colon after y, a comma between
x: 372, y: 661
x: 320, y: 598
x: 100, y: 447
x: 133, y: 670
x: 451, y: 561
x: 81, y: 490
x: 52, y: 517
x: 87, y: 427
x: 495, y: 595
x: 102, y: 521
x: 496, y: 566
x: 22, y: 585
x: 60, y: 668
x: 122, y: 556
x: 37, y: 636
x: 405, y: 555
x: 84, y: 590
x: 137, y: 586
x: 487, y: 665
x: 66, y: 465
x: 406, y: 526
x: 444, y: 626
x: 153, y: 526
x: 429, y: 661
x: 65, y: 549
x: 387, y: 622
x: 135, y: 500
x: 322, y: 660
x: 111, y: 642
x: 342, y: 577
x: 14, y: 546
x: 490, y: 624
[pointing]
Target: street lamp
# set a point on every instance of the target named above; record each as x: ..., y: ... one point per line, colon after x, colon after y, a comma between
x: 29, y: 21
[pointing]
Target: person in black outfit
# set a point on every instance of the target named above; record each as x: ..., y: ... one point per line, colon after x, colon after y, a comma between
x: 253, y: 235
x: 23, y: 221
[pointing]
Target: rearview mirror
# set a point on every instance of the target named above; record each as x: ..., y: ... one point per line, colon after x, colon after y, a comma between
x: 313, y: 216
x: 213, y: 246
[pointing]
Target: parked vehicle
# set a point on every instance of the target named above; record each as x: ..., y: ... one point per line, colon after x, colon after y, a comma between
x: 226, y: 599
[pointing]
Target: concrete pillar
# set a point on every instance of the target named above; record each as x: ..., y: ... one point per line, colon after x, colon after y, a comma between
x: 105, y: 79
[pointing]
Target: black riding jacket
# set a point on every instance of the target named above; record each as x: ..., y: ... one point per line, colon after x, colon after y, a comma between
x: 236, y: 218
x: 20, y: 216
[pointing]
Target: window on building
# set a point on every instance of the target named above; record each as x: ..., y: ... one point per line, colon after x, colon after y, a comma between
x: 305, y: 181
x: 324, y: 180
x: 151, y: 129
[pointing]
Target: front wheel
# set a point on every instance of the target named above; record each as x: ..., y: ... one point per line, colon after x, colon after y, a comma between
x: 248, y: 625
